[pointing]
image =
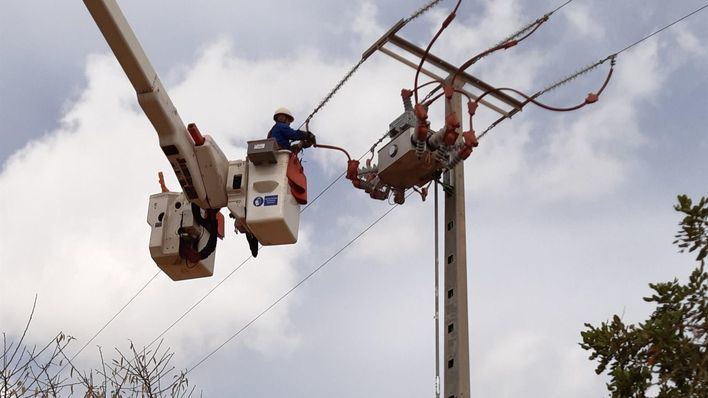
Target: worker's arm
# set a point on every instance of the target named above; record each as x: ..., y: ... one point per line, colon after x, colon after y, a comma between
x: 292, y: 134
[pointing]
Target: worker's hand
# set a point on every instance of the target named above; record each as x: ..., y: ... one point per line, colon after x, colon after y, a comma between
x: 311, y: 138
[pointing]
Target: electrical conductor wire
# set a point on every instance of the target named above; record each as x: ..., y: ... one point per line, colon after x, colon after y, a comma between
x: 363, y: 59
x: 311, y: 274
x: 437, y: 295
x: 610, y: 57
x: 561, y: 6
x: 112, y: 319
x: 302, y: 281
x: 662, y: 29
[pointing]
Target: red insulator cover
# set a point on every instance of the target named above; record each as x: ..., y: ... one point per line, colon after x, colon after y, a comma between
x: 592, y: 98
x: 470, y: 138
x: 422, y: 132
x: 471, y: 107
x: 353, y: 170
x: 405, y: 93
x: 471, y: 141
x: 452, y: 123
x: 510, y: 43
x: 421, y: 113
x: 449, y: 91
x: 448, y: 20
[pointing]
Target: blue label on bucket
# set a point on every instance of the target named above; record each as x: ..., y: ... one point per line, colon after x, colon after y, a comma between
x: 271, y: 200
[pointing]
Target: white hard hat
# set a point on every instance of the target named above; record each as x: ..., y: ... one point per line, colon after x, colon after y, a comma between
x: 283, y: 111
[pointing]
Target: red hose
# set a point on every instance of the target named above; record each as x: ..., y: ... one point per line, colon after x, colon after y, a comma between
x: 589, y: 100
x: 430, y: 45
x: 504, y: 46
x: 336, y: 148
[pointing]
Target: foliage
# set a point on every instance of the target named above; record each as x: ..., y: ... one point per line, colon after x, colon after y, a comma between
x: 667, y: 355
x: 48, y: 372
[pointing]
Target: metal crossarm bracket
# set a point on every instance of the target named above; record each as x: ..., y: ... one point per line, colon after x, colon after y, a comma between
x: 397, y: 41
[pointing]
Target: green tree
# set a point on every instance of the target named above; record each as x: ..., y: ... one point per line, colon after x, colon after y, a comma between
x: 666, y: 355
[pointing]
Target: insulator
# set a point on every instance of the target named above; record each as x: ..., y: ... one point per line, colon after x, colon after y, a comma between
x: 441, y: 155
x: 435, y: 140
x: 419, y: 148
x: 456, y: 158
x: 422, y: 10
x: 368, y: 170
x: 574, y: 76
x: 407, y: 103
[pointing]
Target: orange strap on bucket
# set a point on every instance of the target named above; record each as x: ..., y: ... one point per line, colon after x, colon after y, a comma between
x: 297, y: 180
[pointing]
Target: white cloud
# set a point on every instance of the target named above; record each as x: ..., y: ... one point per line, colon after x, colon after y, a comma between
x: 593, y: 154
x: 582, y: 20
x: 512, y: 353
x: 79, y: 204
x: 582, y: 155
x: 688, y: 41
x: 497, y: 20
x: 73, y: 206
x: 84, y: 250
x: 366, y: 24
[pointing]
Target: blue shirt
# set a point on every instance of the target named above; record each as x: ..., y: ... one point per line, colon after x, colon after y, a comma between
x: 284, y: 135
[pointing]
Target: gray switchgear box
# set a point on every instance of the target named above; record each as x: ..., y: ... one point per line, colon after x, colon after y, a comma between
x: 262, y: 151
x: 399, y: 166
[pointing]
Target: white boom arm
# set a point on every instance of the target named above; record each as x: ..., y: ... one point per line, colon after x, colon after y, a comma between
x: 175, y: 140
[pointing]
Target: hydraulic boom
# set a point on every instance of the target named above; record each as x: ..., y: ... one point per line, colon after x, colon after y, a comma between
x: 185, y: 225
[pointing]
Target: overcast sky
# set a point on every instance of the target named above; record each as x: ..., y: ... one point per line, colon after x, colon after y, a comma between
x: 569, y: 216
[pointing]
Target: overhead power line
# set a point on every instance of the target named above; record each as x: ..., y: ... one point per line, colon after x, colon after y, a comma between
x: 662, y: 29
x: 561, y: 6
x: 198, y: 302
x: 112, y: 318
x: 287, y: 293
x: 427, y: 7
x: 531, y: 25
x: 612, y: 57
x: 422, y: 10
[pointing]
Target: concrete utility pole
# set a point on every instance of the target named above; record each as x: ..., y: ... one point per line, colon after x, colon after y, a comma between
x: 456, y: 374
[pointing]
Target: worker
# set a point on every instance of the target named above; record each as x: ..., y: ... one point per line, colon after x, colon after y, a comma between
x: 284, y: 135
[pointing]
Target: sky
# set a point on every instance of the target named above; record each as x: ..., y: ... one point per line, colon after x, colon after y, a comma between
x: 569, y: 215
